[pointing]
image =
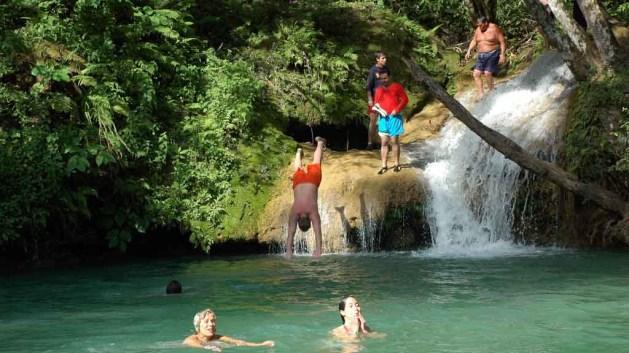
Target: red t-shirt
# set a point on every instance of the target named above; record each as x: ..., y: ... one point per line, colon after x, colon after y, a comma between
x: 391, y: 98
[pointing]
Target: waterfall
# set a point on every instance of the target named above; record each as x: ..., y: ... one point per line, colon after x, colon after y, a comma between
x: 471, y: 186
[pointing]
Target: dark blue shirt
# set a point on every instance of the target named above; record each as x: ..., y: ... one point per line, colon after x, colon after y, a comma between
x: 372, y: 81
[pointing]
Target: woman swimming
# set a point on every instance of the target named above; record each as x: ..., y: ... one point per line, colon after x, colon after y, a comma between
x: 354, y: 323
x: 205, y: 334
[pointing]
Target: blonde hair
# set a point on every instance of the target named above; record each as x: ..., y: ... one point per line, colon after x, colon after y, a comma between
x: 200, y: 316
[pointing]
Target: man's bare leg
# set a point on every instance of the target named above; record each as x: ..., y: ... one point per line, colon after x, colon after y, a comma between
x: 384, y: 151
x: 479, y: 84
x: 373, y: 117
x: 298, y: 156
x: 318, y: 153
x: 395, y: 146
x: 490, y: 80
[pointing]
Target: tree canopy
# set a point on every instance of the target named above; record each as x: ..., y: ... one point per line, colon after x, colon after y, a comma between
x: 122, y: 116
x: 119, y: 115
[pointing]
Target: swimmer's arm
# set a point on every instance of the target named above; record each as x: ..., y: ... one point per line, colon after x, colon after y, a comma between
x: 192, y: 341
x: 238, y: 342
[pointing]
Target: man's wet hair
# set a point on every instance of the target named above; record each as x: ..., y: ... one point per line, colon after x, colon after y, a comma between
x: 304, y: 223
x: 173, y: 287
x: 483, y: 19
x: 379, y: 54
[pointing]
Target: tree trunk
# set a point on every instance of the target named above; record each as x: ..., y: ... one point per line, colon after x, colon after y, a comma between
x: 569, y: 24
x: 579, y: 37
x: 574, y: 58
x: 478, y: 8
x: 604, y: 198
x: 472, y: 11
x: 491, y: 10
x: 598, y: 27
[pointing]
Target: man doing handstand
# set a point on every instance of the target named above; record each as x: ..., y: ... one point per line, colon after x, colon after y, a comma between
x: 305, y: 209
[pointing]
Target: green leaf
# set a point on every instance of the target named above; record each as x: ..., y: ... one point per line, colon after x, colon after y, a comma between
x: 120, y: 217
x: 120, y: 110
x: 103, y: 158
x: 61, y: 75
x: 84, y: 80
x: 77, y: 162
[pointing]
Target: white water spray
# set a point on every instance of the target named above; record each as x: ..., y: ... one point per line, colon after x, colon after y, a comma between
x: 472, y: 186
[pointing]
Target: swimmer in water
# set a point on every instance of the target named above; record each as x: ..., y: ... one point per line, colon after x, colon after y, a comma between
x: 205, y: 334
x: 354, y: 323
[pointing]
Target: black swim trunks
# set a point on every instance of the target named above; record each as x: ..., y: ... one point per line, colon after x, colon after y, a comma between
x: 488, y: 61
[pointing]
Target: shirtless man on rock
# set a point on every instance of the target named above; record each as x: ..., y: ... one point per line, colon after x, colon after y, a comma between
x: 491, y: 52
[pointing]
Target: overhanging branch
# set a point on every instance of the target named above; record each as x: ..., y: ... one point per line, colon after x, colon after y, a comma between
x: 603, y: 197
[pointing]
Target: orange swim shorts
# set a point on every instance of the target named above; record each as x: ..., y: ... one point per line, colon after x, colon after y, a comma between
x: 312, y: 175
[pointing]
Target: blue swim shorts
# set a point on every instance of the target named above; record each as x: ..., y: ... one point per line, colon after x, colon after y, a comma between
x: 488, y: 61
x: 391, y: 125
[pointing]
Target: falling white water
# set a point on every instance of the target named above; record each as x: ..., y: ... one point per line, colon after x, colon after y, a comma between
x: 472, y: 186
x: 370, y: 231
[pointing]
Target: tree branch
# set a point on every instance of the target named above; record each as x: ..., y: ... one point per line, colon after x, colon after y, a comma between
x: 604, y: 198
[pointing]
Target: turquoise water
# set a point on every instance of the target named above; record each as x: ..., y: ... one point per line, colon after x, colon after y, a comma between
x: 542, y: 301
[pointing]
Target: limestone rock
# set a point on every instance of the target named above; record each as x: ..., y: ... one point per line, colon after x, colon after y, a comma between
x: 353, y: 198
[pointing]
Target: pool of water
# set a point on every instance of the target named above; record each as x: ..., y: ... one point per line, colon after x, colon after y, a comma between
x: 537, y: 301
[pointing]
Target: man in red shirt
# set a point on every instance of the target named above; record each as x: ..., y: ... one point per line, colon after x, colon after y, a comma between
x: 390, y: 99
x: 305, y: 208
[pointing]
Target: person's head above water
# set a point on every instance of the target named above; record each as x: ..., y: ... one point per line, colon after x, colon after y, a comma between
x: 205, y: 334
x: 173, y: 287
x: 303, y: 222
x: 205, y: 323
x: 349, y: 308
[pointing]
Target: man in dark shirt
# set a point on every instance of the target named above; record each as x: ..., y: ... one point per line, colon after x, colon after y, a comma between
x: 373, y: 81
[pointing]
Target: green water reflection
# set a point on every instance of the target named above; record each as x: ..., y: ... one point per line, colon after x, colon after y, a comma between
x: 545, y: 301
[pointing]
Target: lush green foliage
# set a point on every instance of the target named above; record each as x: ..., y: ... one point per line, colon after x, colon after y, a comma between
x: 597, y: 140
x: 450, y: 16
x: 116, y: 118
x: 618, y: 9
x: 119, y: 115
x: 313, y: 58
x: 454, y: 22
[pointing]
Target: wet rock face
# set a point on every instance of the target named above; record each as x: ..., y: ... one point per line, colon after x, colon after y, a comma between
x: 360, y: 210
